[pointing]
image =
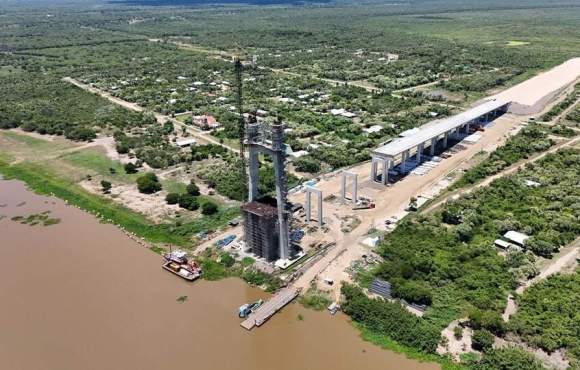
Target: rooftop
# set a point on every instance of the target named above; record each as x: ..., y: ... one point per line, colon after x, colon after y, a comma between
x: 436, y: 128
x: 516, y: 237
x: 260, y: 209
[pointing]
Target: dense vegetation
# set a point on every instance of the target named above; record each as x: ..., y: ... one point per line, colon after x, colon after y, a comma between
x: 532, y: 139
x: 510, y: 358
x: 218, y: 265
x: 447, y: 259
x: 390, y: 319
x: 563, y: 105
x: 177, y: 60
x: 547, y: 315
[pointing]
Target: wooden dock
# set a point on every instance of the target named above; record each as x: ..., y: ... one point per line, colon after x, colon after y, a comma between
x: 270, y: 307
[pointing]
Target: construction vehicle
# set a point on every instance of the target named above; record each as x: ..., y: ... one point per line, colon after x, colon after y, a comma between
x: 363, y: 205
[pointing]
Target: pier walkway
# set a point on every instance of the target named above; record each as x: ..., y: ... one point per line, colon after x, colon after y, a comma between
x: 268, y: 309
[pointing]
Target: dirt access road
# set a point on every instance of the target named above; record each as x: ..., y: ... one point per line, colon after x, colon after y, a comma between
x: 390, y: 201
x: 508, y: 171
x: 198, y: 134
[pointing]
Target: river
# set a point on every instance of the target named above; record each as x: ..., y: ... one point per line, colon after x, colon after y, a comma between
x: 81, y: 295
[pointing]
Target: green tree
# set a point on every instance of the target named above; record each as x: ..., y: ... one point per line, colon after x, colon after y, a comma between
x: 106, y: 186
x: 307, y: 164
x: 192, y: 189
x: 188, y: 202
x: 482, y: 340
x: 510, y: 358
x: 130, y: 168
x: 227, y: 260
x: 148, y: 183
x: 172, y: 198
x: 209, y: 208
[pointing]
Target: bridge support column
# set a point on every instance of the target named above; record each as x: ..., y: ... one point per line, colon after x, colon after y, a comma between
x: 354, y: 178
x: 385, y: 172
x: 432, y: 146
x: 374, y: 169
x: 309, y: 191
x: 419, y: 153
x: 404, y: 158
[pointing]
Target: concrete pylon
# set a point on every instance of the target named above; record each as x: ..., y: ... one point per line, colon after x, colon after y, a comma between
x: 354, y: 177
x: 309, y: 191
x: 276, y: 150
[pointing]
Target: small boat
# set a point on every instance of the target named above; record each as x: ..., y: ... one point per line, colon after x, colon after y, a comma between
x: 178, y: 264
x: 248, y: 308
x: 177, y: 256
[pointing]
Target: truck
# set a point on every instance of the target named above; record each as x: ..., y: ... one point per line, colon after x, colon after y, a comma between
x: 225, y: 241
x: 364, y: 205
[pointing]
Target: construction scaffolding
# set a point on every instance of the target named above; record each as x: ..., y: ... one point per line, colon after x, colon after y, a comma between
x: 261, y: 224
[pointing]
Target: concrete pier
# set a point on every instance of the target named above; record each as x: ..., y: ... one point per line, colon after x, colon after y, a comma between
x: 270, y: 307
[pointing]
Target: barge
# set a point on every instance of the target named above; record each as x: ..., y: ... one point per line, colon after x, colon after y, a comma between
x: 177, y: 263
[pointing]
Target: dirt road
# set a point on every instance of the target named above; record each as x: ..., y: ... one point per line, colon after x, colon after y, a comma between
x: 562, y: 261
x: 390, y: 201
x: 199, y: 134
x: 513, y: 168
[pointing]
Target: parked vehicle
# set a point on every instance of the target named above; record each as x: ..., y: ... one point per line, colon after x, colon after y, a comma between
x: 246, y: 309
x: 333, y: 308
x: 225, y: 241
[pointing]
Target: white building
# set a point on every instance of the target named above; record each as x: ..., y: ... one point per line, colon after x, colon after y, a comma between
x: 516, y: 237
x: 185, y: 142
x: 373, y: 129
x: 299, y: 153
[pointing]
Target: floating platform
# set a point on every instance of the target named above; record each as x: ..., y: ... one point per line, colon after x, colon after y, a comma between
x: 270, y: 307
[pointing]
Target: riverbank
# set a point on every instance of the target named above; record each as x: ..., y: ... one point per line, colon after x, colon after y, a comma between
x: 41, y: 181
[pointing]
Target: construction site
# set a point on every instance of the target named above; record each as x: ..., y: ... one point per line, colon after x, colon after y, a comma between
x: 355, y: 206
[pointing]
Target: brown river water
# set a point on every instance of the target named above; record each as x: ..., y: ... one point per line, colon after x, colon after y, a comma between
x: 81, y: 295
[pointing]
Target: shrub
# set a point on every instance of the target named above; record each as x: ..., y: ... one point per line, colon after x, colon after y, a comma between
x: 209, y: 208
x: 510, y: 358
x: 188, y: 202
x: 148, y: 184
x: 106, y: 186
x: 172, y: 198
x: 192, y: 189
x: 482, y: 340
x: 390, y: 319
x: 130, y: 168
x: 458, y: 332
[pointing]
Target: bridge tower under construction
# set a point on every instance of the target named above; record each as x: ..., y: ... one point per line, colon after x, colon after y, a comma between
x: 266, y: 225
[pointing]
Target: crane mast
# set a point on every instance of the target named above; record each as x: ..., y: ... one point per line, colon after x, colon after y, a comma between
x: 241, y: 121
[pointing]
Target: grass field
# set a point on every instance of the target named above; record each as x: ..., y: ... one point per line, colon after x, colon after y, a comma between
x: 97, y: 163
x: 50, y: 167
